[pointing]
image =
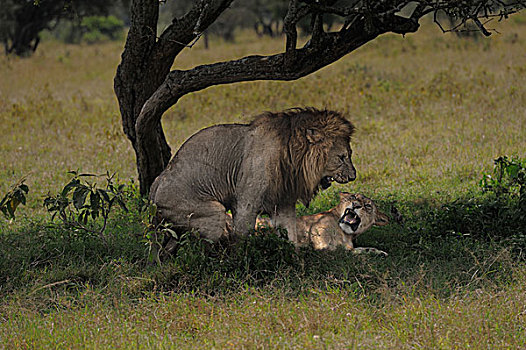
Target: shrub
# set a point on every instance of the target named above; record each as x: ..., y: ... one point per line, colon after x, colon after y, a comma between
x: 80, y: 203
x: 508, y: 179
x: 99, y: 28
x: 496, y: 214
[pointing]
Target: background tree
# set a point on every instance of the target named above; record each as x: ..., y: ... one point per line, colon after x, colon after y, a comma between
x: 241, y: 14
x: 269, y: 15
x: 21, y: 21
x: 146, y: 86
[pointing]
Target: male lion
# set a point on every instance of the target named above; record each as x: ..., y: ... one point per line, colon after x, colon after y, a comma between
x: 340, y: 225
x: 251, y: 169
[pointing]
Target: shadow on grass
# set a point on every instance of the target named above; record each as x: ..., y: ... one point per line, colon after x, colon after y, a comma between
x: 439, y: 249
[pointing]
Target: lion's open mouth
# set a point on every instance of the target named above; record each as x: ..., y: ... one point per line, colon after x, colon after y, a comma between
x: 326, y: 182
x: 350, y: 218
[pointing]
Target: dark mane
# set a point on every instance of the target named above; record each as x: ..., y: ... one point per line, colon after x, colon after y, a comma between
x: 302, y: 162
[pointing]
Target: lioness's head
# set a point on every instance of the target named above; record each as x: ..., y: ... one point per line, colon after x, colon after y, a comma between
x: 358, y: 213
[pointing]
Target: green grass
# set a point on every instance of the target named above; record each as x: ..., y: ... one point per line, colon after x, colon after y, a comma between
x: 432, y: 112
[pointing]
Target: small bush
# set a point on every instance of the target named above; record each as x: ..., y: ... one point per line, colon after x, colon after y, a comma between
x: 99, y: 28
x: 80, y: 203
x: 508, y: 179
x: 496, y: 214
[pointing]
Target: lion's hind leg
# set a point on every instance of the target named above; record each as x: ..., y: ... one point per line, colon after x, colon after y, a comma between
x: 209, y: 219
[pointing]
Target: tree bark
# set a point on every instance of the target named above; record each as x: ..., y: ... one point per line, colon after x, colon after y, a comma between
x: 145, y: 63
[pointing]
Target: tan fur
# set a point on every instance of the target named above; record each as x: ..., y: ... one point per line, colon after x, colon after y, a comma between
x: 324, y: 231
x: 251, y: 169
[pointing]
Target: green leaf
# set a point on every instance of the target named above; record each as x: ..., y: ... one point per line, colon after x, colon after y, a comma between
x: 171, y: 232
x: 94, y: 199
x: 121, y: 204
x: 24, y: 188
x: 513, y: 170
x: 104, y: 195
x: 72, y: 184
x: 4, y: 200
x: 79, y: 196
x: 91, y: 175
x: 152, y: 210
x: 83, y: 217
x: 20, y: 196
x: 11, y: 207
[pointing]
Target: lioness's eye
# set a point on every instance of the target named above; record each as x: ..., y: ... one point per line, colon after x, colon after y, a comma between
x: 368, y: 206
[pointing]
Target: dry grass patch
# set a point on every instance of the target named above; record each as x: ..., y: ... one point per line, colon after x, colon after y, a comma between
x: 478, y: 320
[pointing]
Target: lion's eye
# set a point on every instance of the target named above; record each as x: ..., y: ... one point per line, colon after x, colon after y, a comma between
x: 368, y: 206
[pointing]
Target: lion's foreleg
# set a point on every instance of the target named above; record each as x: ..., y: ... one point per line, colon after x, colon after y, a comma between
x: 244, y: 222
x: 245, y: 218
x: 369, y: 250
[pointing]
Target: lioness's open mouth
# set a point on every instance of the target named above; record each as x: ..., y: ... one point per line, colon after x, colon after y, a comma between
x: 350, y: 218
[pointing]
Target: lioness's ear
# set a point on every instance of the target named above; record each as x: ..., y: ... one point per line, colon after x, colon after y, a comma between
x: 381, y: 219
x: 314, y: 136
x: 343, y: 195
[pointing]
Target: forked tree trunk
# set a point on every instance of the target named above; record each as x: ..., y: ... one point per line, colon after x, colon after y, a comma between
x: 135, y: 82
x: 146, y: 62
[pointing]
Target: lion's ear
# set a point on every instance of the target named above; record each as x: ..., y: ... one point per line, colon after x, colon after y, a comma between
x: 381, y: 219
x: 314, y: 136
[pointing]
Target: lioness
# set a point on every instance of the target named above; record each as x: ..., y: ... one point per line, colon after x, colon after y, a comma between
x: 251, y: 169
x: 340, y: 225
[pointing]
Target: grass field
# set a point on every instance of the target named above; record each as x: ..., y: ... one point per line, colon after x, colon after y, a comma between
x: 432, y: 112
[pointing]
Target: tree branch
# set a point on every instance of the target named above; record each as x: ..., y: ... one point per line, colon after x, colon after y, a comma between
x: 329, y: 48
x: 289, y: 26
x: 146, y: 88
x: 184, y: 30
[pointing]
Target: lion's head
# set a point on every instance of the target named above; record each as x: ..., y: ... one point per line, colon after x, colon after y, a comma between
x: 339, y: 165
x: 315, y: 150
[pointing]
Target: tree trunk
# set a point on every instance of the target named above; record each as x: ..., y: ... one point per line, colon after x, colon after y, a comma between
x: 133, y: 84
x: 146, y: 62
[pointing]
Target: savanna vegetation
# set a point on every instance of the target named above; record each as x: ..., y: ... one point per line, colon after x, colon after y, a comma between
x: 432, y: 112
